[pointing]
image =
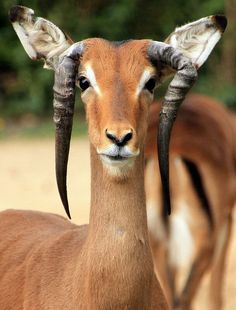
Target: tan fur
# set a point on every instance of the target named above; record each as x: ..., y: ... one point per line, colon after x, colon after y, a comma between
x: 117, y: 107
x: 47, y: 262
x: 204, y: 133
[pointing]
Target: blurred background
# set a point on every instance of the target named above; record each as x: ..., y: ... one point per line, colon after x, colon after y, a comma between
x: 25, y: 89
x: 27, y: 178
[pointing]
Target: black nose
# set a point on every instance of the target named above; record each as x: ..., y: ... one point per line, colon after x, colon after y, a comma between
x: 119, y: 141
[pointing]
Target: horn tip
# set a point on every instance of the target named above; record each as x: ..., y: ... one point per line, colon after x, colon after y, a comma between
x: 66, y: 207
x: 64, y: 200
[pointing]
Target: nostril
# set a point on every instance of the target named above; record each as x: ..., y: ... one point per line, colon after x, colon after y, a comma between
x: 119, y: 141
x: 111, y: 137
x: 127, y: 137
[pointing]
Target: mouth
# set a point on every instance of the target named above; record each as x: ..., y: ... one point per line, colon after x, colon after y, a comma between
x: 116, y: 160
x: 116, y: 157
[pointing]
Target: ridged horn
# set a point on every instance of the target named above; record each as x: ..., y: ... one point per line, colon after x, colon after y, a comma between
x: 183, y: 80
x: 64, y: 99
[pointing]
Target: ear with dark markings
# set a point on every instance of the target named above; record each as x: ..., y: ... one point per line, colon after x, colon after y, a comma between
x: 196, y: 40
x: 40, y: 38
x: 188, y: 48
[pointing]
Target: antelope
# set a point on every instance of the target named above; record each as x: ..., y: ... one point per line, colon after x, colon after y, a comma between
x: 49, y: 263
x: 195, y: 239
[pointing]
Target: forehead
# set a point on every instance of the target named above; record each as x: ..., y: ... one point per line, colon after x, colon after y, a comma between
x: 111, y: 58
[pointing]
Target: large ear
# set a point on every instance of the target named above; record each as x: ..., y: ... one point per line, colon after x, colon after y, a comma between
x: 40, y: 38
x: 196, y: 40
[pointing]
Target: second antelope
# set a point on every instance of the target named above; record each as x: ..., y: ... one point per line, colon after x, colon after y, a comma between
x: 195, y: 238
x: 48, y: 263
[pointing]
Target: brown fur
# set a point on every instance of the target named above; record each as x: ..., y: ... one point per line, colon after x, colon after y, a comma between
x: 117, y: 74
x: 204, y: 132
x: 47, y: 262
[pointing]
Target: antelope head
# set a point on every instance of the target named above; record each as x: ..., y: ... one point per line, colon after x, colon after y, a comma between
x: 117, y: 81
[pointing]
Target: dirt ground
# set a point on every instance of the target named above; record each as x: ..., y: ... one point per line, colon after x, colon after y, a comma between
x: 27, y: 181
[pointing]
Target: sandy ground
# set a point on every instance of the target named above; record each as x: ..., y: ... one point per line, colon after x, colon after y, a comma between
x: 27, y: 181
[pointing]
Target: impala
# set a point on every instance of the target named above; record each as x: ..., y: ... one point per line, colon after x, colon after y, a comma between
x: 195, y: 239
x: 48, y: 263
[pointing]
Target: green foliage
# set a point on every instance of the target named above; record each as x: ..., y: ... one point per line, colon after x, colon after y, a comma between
x: 31, y: 127
x: 26, y: 88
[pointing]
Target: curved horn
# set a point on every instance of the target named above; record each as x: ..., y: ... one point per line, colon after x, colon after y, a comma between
x: 183, y: 80
x: 64, y: 99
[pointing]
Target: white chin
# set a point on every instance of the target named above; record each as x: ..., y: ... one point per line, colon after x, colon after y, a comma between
x: 117, y: 167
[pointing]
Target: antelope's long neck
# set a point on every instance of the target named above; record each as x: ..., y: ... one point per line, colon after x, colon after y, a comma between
x: 117, y: 204
x: 119, y: 253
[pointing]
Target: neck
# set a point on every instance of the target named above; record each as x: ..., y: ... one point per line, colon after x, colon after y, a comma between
x: 118, y: 203
x: 118, y: 246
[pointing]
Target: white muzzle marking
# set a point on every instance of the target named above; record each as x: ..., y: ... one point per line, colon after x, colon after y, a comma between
x: 117, y: 157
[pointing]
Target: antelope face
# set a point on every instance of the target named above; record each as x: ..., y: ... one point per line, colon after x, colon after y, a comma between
x: 116, y: 82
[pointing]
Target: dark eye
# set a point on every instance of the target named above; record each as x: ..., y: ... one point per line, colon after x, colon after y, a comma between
x: 150, y: 85
x: 83, y: 83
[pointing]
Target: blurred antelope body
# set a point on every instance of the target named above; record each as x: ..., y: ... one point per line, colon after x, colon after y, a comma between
x: 47, y: 262
x: 203, y: 190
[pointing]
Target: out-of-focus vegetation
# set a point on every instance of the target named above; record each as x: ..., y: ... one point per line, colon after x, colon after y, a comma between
x: 31, y: 127
x: 25, y: 88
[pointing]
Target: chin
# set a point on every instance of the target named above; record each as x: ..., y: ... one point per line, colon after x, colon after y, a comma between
x: 118, y: 167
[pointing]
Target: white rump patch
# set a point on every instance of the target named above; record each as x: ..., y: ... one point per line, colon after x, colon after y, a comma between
x: 181, y: 243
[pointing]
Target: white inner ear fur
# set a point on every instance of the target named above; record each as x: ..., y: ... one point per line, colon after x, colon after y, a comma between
x: 24, y: 39
x: 48, y: 39
x: 40, y: 38
x: 196, y: 40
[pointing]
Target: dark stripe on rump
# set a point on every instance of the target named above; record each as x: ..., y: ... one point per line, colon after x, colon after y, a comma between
x: 199, y: 188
